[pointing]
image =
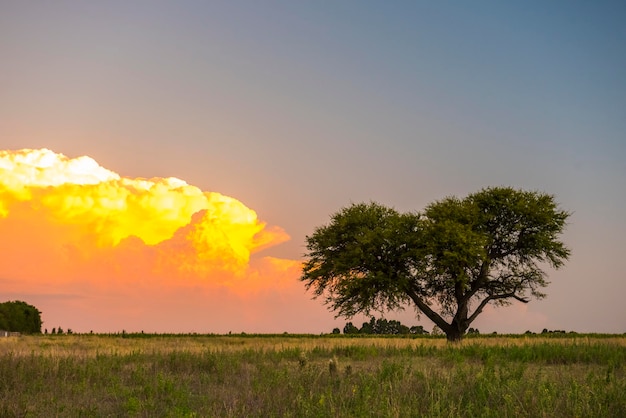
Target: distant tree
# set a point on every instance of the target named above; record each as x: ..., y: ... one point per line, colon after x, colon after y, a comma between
x: 459, y: 255
x: 336, y: 331
x: 418, y: 330
x: 54, y: 330
x: 368, y: 327
x: 396, y: 328
x: 4, y: 321
x: 59, y: 330
x: 473, y: 331
x: 349, y: 328
x: 18, y: 316
x: 379, y: 326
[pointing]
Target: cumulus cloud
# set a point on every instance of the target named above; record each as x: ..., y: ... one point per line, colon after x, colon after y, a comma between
x: 153, y: 253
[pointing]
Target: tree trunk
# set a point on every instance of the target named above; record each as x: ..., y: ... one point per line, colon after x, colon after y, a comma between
x: 454, y: 335
x: 459, y: 324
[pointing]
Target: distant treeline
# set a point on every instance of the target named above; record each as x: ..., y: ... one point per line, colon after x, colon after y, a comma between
x: 382, y: 326
x: 18, y: 316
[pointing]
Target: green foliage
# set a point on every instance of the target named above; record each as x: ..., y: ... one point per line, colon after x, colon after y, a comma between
x: 459, y: 253
x: 18, y: 316
x: 361, y: 259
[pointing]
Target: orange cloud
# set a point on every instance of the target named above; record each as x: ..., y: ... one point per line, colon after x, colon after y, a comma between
x: 101, y: 250
x: 81, y: 193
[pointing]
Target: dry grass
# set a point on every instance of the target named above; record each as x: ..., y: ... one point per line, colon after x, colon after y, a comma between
x: 89, y: 345
x: 301, y: 376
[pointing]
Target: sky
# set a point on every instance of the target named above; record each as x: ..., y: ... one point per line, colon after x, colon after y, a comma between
x: 256, y: 120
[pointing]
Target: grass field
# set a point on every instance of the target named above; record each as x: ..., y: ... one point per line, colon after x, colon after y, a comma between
x: 566, y: 375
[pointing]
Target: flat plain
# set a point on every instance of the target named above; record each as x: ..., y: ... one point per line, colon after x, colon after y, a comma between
x: 171, y: 375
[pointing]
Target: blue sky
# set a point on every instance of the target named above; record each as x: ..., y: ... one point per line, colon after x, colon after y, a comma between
x: 300, y: 108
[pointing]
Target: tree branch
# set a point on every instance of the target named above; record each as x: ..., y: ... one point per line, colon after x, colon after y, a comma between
x: 432, y: 315
x: 489, y: 298
x: 481, y: 280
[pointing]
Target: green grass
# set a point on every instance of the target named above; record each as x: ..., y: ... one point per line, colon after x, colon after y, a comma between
x: 291, y: 376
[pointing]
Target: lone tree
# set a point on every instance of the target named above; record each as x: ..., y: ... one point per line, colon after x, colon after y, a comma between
x: 458, y: 255
x: 18, y: 316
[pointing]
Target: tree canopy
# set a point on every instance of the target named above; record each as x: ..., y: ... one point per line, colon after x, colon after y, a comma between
x: 455, y: 256
x: 18, y: 316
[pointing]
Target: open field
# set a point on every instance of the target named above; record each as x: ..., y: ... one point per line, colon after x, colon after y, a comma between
x: 566, y: 375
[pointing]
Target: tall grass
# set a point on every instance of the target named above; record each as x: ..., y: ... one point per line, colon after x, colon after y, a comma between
x: 304, y: 376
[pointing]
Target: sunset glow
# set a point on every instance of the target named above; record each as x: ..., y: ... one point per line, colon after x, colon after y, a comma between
x: 97, y: 208
x: 166, y: 160
x: 98, y: 245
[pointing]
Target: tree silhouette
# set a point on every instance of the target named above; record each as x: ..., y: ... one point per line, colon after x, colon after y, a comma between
x: 450, y: 262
